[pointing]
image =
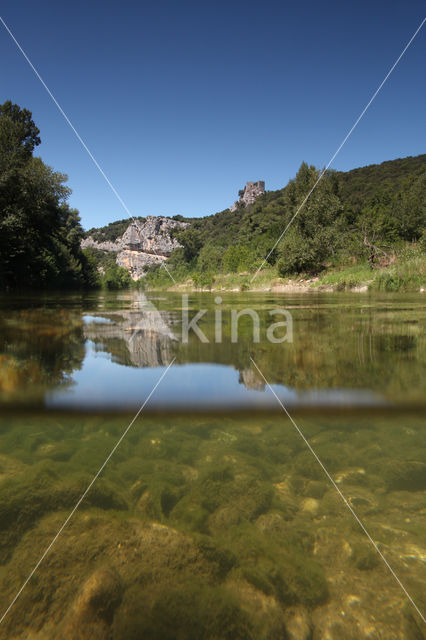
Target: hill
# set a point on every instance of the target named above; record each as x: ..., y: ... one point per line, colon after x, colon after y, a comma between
x: 359, y: 214
x: 365, y: 215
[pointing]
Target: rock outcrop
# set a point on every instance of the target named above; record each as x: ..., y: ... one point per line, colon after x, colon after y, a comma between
x: 142, y: 244
x: 152, y: 236
x: 136, y: 262
x: 251, y: 192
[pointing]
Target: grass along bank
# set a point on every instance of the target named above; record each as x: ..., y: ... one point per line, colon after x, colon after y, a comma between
x: 405, y: 271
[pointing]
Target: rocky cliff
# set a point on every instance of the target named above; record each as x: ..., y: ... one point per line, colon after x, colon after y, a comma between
x: 142, y: 244
x: 251, y: 191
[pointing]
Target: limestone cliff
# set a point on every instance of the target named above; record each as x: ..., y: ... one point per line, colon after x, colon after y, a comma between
x: 142, y: 244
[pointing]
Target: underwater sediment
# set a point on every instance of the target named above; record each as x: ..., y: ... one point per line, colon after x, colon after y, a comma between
x: 212, y: 527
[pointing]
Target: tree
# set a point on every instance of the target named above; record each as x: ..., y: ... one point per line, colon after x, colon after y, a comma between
x: 317, y: 231
x: 210, y: 258
x: 236, y: 258
x: 40, y: 234
x: 116, y: 277
x: 191, y: 241
x: 18, y: 131
x: 412, y: 210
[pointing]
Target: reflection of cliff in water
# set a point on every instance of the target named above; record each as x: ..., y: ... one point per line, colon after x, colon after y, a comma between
x: 251, y: 380
x: 370, y: 350
x: 143, y: 338
x: 138, y: 338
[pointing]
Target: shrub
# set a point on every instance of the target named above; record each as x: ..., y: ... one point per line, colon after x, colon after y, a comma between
x: 116, y: 277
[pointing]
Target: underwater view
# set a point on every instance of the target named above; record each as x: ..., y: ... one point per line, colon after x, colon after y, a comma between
x: 212, y: 484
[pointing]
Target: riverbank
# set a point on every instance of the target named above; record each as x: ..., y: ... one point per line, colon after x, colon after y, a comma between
x: 407, y: 274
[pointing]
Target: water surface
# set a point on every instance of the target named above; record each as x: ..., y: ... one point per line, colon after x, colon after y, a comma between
x: 212, y: 519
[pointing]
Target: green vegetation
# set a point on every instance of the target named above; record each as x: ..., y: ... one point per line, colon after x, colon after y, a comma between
x: 372, y: 219
x: 406, y: 272
x: 111, y: 276
x: 199, y: 527
x: 40, y: 234
x: 115, y: 277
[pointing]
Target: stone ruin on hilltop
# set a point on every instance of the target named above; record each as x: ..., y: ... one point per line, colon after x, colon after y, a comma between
x: 251, y: 192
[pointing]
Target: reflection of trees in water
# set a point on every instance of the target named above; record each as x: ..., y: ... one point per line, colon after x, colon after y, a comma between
x: 333, y: 348
x: 377, y: 347
x: 359, y: 350
x: 39, y: 348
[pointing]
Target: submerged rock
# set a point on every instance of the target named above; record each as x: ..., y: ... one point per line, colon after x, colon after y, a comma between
x: 405, y: 475
x: 311, y: 505
x: 264, y: 612
x: 28, y: 497
x: 93, y: 610
x: 298, y: 624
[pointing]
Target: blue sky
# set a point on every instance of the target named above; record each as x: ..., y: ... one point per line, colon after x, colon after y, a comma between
x: 183, y: 102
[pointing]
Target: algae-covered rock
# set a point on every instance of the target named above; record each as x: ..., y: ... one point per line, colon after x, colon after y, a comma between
x: 58, y: 451
x: 285, y: 499
x: 306, y: 466
x: 186, y: 611
x: 298, y: 623
x: 364, y: 556
x: 9, y: 467
x: 404, y: 475
x: 93, y: 610
x: 278, y: 567
x: 311, y: 506
x: 266, y: 615
x: 272, y: 523
x: 28, y: 497
x: 413, y: 626
x: 222, y: 558
x: 76, y: 592
x: 219, y: 500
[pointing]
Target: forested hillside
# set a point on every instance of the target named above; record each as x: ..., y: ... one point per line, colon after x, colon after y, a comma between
x: 364, y: 214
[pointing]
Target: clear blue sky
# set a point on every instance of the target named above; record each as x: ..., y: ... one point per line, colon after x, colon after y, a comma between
x: 183, y: 102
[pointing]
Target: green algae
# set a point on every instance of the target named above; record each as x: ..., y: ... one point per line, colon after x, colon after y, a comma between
x: 364, y: 556
x: 189, y: 611
x: 29, y: 496
x: 199, y: 532
x: 278, y: 567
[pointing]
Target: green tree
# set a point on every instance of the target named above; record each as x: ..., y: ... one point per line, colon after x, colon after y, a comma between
x: 412, y: 210
x: 18, y: 131
x: 316, y: 232
x: 191, y: 240
x: 210, y: 258
x: 39, y: 233
x: 116, y: 277
x: 236, y: 258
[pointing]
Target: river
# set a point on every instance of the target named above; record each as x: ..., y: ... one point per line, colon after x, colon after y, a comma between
x: 271, y: 486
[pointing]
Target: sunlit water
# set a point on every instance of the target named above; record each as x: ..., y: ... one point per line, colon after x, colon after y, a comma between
x: 212, y: 519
